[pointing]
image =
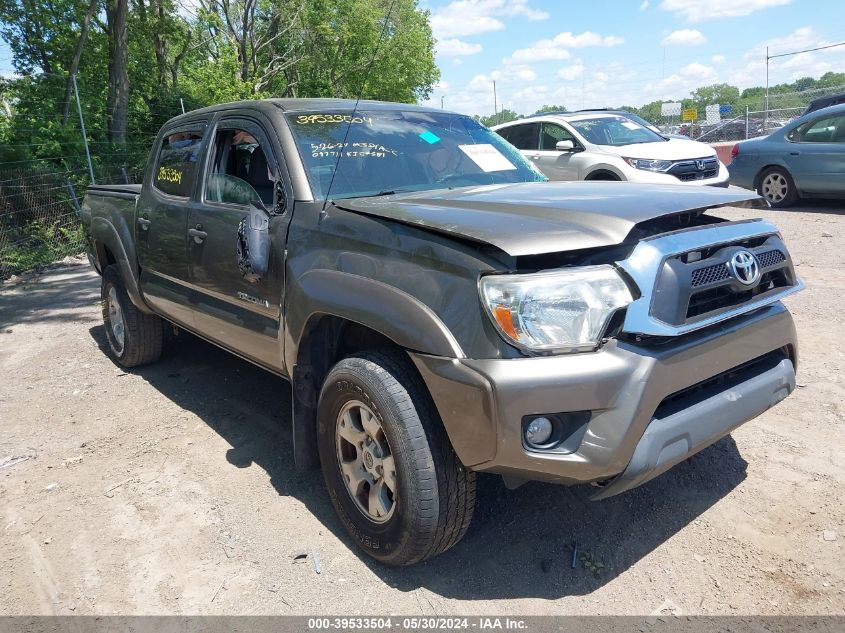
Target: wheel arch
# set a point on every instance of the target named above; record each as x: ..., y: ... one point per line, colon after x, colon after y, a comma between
x: 604, y: 173
x: 759, y: 175
x: 109, y: 249
x: 348, y: 313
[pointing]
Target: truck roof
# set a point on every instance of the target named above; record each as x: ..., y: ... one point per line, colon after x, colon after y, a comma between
x: 298, y: 105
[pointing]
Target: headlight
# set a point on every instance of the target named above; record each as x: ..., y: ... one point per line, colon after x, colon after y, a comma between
x: 561, y: 311
x: 648, y: 164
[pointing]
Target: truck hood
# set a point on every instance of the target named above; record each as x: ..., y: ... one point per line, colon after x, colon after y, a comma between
x: 673, y: 149
x: 546, y: 217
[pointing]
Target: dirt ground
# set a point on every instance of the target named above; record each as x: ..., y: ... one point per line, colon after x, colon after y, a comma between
x: 171, y: 489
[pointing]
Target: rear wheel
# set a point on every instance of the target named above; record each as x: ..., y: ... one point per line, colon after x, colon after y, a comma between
x: 777, y: 186
x: 135, y: 338
x: 393, y: 478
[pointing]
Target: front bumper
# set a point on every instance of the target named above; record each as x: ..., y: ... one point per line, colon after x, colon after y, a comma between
x: 629, y: 437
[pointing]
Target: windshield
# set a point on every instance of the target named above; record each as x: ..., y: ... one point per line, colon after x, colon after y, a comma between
x: 615, y: 131
x: 638, y: 119
x: 392, y: 150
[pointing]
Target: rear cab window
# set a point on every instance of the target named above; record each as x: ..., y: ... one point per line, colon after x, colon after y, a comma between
x: 177, y: 161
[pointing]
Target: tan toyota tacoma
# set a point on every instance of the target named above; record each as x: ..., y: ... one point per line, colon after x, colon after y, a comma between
x: 440, y: 310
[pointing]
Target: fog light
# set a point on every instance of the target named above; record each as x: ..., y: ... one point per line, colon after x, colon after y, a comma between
x: 538, y: 431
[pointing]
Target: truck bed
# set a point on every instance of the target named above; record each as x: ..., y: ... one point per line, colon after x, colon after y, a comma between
x: 120, y: 191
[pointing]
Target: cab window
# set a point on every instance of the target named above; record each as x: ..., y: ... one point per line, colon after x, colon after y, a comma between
x: 176, y: 166
x: 552, y: 134
x: 239, y: 172
x: 522, y: 136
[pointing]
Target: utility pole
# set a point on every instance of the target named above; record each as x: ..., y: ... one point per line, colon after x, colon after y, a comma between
x: 84, y: 135
x: 441, y: 103
x: 495, y: 104
x: 766, y: 113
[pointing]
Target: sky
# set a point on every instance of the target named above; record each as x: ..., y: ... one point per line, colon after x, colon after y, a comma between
x: 599, y: 53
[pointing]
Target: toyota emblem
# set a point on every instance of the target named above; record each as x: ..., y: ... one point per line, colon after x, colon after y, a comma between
x: 744, y: 267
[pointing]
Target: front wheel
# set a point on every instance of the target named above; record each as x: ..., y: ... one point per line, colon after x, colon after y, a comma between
x: 393, y: 478
x: 777, y: 186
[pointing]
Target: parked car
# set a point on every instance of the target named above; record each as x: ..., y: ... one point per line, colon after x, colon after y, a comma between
x: 804, y: 158
x: 825, y: 102
x: 605, y: 146
x: 636, y: 119
x: 438, y: 311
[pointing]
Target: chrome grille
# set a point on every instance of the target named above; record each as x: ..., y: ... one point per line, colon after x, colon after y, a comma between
x: 687, y: 170
x: 680, y: 296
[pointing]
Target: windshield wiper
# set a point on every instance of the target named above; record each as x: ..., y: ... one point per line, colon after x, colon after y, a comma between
x: 383, y: 192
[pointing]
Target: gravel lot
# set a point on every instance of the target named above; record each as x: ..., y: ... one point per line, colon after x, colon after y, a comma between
x: 171, y: 489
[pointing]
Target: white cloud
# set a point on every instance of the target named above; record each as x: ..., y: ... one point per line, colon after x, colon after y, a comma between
x: 524, y: 88
x: 540, y: 51
x: 471, y: 17
x: 644, y: 5
x: 586, y: 39
x: 457, y: 48
x: 684, y: 37
x: 699, y: 11
x: 514, y: 73
x: 556, y: 47
x: 572, y: 72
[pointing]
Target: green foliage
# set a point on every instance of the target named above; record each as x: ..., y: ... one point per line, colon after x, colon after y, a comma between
x: 211, y: 53
x: 551, y: 108
x: 503, y: 116
x: 780, y: 96
x: 38, y: 244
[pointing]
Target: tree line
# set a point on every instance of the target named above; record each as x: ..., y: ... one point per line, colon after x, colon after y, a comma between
x: 785, y: 96
x: 139, y: 62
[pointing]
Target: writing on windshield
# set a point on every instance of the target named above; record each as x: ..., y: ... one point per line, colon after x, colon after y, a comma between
x: 393, y: 150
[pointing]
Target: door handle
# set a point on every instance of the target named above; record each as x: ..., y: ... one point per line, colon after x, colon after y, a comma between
x: 794, y: 153
x: 198, y: 234
x: 144, y: 223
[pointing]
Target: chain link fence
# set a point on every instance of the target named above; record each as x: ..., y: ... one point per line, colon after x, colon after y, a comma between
x: 757, y: 118
x: 38, y: 218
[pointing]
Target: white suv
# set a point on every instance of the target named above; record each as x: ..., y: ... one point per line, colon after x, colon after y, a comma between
x: 603, y: 146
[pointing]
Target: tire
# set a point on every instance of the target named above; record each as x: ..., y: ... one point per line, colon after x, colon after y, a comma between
x: 604, y: 176
x: 135, y: 338
x: 776, y: 185
x: 433, y: 497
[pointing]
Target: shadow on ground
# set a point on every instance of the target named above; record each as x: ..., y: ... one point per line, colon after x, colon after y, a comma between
x: 520, y: 542
x: 822, y: 207
x: 56, y: 293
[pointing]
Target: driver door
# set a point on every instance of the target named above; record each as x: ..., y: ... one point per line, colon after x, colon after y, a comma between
x: 230, y: 309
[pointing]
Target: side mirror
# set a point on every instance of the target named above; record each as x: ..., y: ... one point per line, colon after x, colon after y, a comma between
x: 254, y: 243
x: 565, y: 146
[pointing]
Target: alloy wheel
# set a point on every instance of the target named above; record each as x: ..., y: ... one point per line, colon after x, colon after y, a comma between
x: 775, y: 187
x: 118, y: 328
x: 366, y: 462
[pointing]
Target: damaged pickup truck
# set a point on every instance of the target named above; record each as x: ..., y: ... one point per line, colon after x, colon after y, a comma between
x: 439, y: 310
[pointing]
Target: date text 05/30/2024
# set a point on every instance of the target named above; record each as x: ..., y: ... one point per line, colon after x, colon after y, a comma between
x: 417, y: 623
